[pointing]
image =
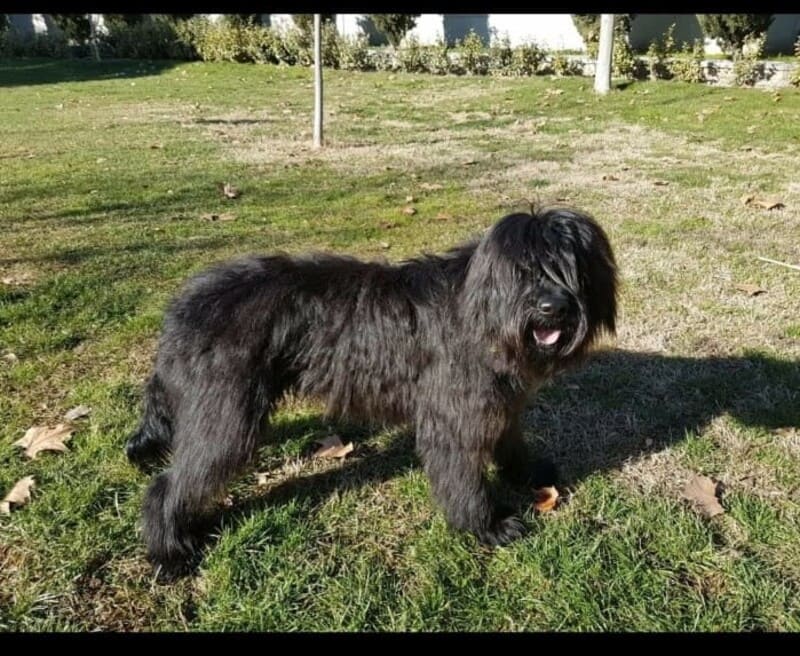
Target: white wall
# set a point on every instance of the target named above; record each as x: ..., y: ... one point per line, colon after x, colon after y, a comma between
x: 552, y: 31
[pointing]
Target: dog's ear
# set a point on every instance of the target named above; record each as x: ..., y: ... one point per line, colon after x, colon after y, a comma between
x: 599, y: 275
x: 494, y: 291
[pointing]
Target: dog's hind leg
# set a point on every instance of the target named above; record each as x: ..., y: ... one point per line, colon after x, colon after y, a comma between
x: 153, y: 438
x: 214, y: 441
x: 455, y: 466
x: 516, y: 464
x: 512, y: 456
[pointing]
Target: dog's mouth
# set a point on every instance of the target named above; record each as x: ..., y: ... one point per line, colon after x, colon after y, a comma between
x: 546, y: 336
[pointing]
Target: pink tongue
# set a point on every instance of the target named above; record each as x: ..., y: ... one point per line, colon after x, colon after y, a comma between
x: 547, y: 336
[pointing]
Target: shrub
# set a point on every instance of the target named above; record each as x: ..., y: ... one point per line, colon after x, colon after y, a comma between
x: 410, y: 56
x: 436, y: 59
x: 354, y: 53
x: 657, y: 54
x: 500, y: 56
x: 689, y: 66
x: 14, y: 44
x: 746, y: 67
x: 474, y: 58
x: 394, y: 26
x: 151, y: 38
x: 563, y: 66
x: 734, y: 30
x: 623, y: 62
x: 526, y: 59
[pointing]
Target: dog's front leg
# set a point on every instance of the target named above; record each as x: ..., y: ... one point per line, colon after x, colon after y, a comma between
x: 456, y: 473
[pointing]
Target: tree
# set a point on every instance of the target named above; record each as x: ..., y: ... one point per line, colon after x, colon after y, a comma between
x: 394, y: 26
x: 4, y: 22
x: 305, y: 22
x: 240, y: 20
x: 588, y: 26
x: 734, y: 30
x: 122, y: 20
x: 75, y: 26
x: 317, y: 81
x: 602, y: 78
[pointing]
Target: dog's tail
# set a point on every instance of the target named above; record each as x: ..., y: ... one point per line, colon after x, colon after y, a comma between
x: 153, y: 439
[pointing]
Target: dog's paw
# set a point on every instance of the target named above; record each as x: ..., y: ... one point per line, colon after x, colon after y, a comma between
x: 503, y: 531
x: 171, y: 571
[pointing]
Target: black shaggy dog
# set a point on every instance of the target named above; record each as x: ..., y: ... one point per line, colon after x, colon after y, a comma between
x: 451, y: 344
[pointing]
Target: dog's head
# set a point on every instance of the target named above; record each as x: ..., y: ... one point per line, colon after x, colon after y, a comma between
x: 544, y: 284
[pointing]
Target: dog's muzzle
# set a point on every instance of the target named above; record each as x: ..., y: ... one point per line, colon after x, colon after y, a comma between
x: 551, y: 308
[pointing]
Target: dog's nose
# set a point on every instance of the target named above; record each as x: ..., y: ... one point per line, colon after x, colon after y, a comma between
x: 552, y: 306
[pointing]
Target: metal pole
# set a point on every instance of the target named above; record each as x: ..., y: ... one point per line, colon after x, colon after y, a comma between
x: 317, y: 81
x: 602, y: 75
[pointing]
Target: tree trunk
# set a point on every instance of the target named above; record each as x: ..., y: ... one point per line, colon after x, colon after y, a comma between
x: 317, y: 81
x: 602, y: 76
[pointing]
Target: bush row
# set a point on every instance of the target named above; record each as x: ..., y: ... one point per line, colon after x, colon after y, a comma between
x: 165, y: 37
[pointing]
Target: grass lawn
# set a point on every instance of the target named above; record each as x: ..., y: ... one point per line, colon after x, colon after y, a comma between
x: 108, y: 173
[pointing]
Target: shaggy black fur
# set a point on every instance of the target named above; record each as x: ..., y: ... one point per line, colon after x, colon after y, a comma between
x: 451, y: 344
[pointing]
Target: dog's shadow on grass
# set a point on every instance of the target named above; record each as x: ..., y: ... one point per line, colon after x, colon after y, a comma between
x: 620, y: 406
x: 624, y: 405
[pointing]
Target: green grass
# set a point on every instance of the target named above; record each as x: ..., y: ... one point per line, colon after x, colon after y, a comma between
x: 107, y: 171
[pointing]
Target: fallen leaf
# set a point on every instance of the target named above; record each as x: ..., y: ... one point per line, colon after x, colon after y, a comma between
x: 157, y: 145
x: 44, y: 438
x: 78, y: 412
x: 262, y: 478
x: 767, y: 203
x: 750, y: 290
x: 224, y: 216
x: 411, y: 211
x: 332, y: 447
x: 554, y: 92
x: 469, y: 162
x: 624, y: 168
x: 610, y: 178
x: 703, y: 492
x: 20, y: 495
x: 660, y: 183
x: 545, y: 499
x: 410, y: 199
x: 443, y: 216
x: 785, y: 431
x: 229, y: 191
x: 428, y: 186
x: 385, y: 245
x: 11, y: 358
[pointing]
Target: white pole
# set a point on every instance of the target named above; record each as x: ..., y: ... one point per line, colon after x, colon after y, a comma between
x: 317, y: 81
x: 93, y: 18
x: 602, y: 75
